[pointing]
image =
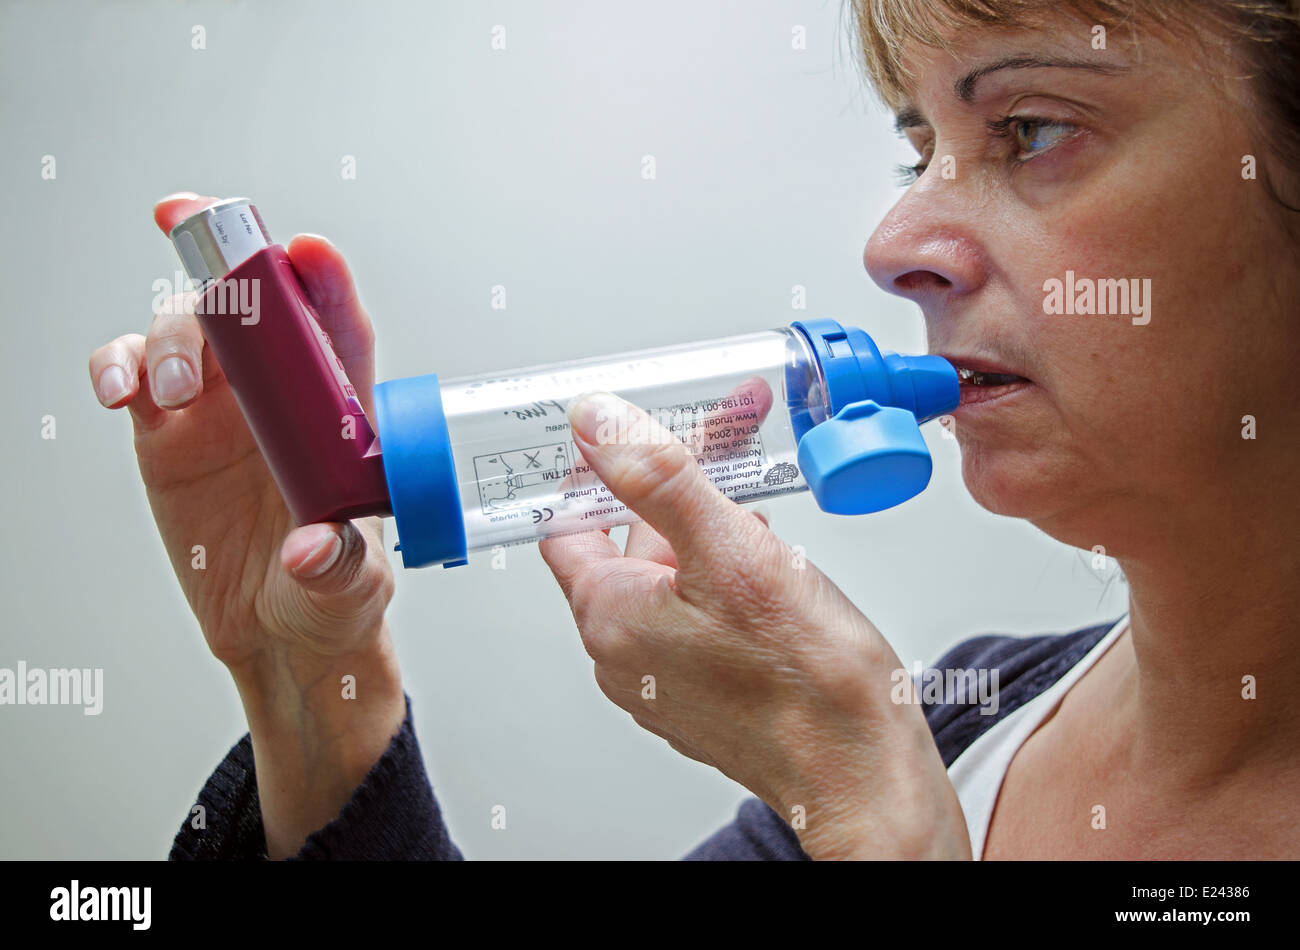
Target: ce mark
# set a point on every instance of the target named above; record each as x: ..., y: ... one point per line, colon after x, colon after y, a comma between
x: 538, y: 516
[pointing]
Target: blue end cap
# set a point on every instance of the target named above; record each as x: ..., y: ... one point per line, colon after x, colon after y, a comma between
x: 421, y: 474
x: 867, y: 458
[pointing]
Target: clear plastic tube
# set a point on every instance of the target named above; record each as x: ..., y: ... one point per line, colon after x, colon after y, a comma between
x: 739, y: 403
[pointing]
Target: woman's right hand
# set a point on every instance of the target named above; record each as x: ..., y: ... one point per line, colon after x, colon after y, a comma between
x: 256, y: 583
x: 289, y: 610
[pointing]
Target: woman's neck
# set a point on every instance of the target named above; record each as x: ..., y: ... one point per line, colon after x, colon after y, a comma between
x: 1215, y: 627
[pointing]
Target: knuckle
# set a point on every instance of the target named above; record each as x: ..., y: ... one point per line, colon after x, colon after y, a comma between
x: 174, y: 306
x: 123, y: 350
x: 126, y: 347
x: 365, y: 333
x: 131, y: 344
x: 649, y: 725
x: 174, y: 330
x: 598, y: 628
x: 755, y: 579
x: 609, y: 685
x: 603, y: 683
x: 579, y: 600
x: 582, y: 602
x: 664, y: 470
x: 179, y: 330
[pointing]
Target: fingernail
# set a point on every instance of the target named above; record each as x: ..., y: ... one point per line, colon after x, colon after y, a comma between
x: 336, y: 548
x: 319, y: 237
x: 597, y: 417
x: 113, y: 385
x: 178, y: 194
x: 173, y: 381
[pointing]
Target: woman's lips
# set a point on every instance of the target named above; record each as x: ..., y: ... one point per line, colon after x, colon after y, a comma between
x: 984, y: 380
x: 973, y: 395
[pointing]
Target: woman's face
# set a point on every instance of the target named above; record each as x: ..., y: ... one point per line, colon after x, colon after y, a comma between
x: 1116, y: 164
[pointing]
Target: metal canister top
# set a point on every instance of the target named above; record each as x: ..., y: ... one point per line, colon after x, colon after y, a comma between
x: 218, y: 239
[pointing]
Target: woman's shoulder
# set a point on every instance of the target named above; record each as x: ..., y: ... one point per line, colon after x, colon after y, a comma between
x: 983, y: 679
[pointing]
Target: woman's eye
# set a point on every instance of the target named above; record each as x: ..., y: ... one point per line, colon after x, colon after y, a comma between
x: 906, y: 174
x: 1031, y: 136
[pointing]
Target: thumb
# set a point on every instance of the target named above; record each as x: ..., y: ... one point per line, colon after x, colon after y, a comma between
x: 327, y: 558
x: 651, y: 471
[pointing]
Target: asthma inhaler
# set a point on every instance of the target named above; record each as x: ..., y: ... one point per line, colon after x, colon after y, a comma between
x: 288, y: 382
x: 482, y: 461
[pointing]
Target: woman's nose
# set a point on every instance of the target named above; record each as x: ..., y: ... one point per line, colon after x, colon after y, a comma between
x: 924, y: 250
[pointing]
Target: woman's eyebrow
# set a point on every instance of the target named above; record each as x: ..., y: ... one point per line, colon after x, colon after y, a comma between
x: 964, y: 88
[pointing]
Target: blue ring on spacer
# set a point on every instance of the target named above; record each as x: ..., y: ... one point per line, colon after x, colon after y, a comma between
x: 420, y: 471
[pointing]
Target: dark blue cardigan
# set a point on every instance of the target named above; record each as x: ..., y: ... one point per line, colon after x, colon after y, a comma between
x: 393, y: 814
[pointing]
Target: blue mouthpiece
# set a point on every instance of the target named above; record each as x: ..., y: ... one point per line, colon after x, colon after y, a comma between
x: 926, y: 386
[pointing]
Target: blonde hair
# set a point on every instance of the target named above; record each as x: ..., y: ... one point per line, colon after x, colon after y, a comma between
x: 1264, y: 33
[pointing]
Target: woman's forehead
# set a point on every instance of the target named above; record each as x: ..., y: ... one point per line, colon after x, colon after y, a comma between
x: 907, y: 42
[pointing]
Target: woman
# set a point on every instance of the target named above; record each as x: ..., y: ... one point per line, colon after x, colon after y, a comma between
x: 1104, y: 211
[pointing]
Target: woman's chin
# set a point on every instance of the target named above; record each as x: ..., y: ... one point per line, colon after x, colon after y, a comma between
x: 1012, y: 487
x: 1054, y: 500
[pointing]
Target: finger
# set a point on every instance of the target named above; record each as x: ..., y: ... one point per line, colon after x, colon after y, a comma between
x: 172, y: 210
x: 117, y: 371
x: 171, y: 377
x: 174, y: 353
x: 648, y: 544
x: 714, y: 437
x: 569, y: 556
x: 330, y: 559
x: 749, y: 402
x: 606, y: 591
x: 333, y: 294
x: 656, y: 476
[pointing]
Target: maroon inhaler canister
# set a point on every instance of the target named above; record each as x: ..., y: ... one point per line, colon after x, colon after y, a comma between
x: 286, y: 378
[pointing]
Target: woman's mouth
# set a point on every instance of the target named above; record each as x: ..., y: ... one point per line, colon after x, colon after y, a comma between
x: 982, y: 385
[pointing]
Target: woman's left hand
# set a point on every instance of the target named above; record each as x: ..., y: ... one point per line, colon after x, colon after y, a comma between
x: 717, y: 636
